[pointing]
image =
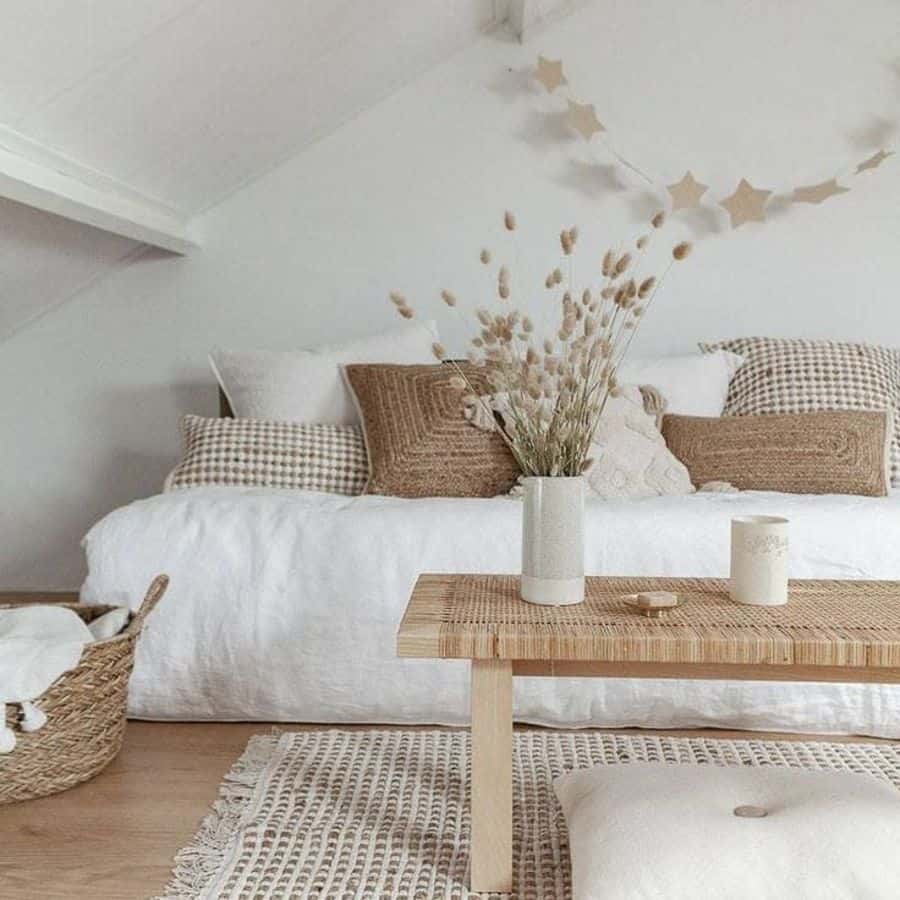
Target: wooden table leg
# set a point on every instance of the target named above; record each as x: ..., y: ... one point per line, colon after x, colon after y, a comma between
x: 492, y: 748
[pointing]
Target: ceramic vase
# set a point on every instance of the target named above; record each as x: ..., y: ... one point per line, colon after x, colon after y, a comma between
x: 759, y: 560
x: 553, y: 541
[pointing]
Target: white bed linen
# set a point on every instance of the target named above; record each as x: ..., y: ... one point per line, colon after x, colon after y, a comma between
x: 283, y: 605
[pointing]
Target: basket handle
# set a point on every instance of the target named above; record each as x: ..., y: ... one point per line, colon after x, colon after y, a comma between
x: 152, y: 597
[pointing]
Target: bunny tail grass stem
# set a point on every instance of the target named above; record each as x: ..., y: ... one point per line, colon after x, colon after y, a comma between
x: 656, y: 288
x: 513, y: 449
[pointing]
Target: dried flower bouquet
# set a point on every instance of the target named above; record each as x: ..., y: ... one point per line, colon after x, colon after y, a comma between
x: 550, y: 391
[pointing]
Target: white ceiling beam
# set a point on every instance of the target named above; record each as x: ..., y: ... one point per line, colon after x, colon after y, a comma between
x: 526, y: 17
x: 39, y: 177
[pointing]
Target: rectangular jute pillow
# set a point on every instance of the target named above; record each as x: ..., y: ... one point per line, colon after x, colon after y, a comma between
x: 257, y: 453
x: 806, y: 453
x: 418, y: 440
x: 794, y: 376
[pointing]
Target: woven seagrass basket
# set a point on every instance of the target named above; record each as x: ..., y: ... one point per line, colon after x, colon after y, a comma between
x: 85, y: 711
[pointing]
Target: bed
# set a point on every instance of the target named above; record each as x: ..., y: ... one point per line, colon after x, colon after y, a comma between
x: 261, y: 580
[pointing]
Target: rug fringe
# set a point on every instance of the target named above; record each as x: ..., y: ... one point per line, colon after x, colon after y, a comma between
x: 197, y: 864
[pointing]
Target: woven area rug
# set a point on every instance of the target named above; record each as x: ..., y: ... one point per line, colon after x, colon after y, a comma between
x: 347, y: 814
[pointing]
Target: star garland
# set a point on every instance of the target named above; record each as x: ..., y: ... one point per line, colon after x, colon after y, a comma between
x: 745, y: 204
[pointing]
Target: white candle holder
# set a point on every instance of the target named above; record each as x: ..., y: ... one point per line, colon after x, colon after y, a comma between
x: 759, y: 560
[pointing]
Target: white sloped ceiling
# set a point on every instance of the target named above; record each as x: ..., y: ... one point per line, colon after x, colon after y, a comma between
x: 184, y: 101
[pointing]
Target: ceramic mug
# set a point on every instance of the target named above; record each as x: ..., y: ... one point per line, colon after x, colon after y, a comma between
x: 759, y: 560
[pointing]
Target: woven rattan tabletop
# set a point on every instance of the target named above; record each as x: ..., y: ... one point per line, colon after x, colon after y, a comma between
x: 825, y: 624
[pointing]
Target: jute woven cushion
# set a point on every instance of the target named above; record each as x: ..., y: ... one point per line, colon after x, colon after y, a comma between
x: 793, y: 376
x: 258, y: 453
x: 418, y: 440
x: 806, y: 453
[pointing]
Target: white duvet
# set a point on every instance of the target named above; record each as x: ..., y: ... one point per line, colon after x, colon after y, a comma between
x: 284, y: 605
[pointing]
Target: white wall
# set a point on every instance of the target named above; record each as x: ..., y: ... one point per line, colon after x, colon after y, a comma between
x: 405, y: 195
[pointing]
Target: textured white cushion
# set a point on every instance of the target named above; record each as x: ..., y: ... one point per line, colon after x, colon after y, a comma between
x: 307, y: 385
x: 642, y: 831
x: 631, y: 459
x: 695, y: 385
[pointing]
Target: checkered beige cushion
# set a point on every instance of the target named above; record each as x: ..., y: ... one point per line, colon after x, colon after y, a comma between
x: 258, y: 453
x: 796, y: 376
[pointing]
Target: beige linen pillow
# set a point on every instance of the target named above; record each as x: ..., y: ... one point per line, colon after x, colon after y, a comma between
x: 807, y: 453
x: 306, y: 385
x: 418, y: 440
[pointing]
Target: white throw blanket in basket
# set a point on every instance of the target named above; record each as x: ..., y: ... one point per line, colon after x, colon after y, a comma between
x: 37, y: 645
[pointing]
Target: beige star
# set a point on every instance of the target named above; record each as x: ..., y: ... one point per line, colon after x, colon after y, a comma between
x: 550, y: 73
x: 874, y: 161
x: 687, y: 192
x: 584, y: 120
x: 816, y: 193
x: 746, y: 204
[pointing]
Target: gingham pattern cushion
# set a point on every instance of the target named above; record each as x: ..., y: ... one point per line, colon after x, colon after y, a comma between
x: 796, y: 376
x: 258, y: 453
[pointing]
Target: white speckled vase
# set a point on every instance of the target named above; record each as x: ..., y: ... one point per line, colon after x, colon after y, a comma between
x: 759, y: 560
x: 553, y: 541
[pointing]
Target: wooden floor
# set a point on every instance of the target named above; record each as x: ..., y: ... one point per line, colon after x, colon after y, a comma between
x: 114, y: 837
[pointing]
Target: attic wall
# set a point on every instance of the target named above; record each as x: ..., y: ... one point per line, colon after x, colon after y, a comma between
x: 406, y: 194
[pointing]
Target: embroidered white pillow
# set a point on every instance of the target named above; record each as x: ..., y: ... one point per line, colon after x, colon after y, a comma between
x: 307, y: 385
x: 695, y: 385
x: 631, y: 459
x: 658, y: 831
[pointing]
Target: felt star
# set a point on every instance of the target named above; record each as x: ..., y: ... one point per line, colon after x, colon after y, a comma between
x: 874, y: 161
x: 550, y: 73
x: 816, y: 193
x: 746, y: 204
x: 583, y: 119
x: 687, y: 192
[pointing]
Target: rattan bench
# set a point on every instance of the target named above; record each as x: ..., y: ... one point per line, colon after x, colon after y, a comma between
x: 844, y: 631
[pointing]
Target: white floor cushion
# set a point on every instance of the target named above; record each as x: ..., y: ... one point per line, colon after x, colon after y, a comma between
x: 645, y: 830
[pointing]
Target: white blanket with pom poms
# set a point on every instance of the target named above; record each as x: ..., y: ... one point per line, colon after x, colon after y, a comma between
x: 37, y: 645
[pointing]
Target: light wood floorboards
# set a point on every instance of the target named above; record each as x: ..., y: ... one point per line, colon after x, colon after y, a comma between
x: 114, y: 837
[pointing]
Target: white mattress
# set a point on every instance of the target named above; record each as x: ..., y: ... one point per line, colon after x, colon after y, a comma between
x: 284, y: 605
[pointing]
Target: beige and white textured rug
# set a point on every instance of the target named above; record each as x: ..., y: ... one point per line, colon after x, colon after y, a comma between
x: 385, y: 814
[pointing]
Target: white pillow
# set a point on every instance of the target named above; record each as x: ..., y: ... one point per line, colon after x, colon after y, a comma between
x: 631, y: 459
x: 109, y: 624
x: 694, y: 385
x: 307, y: 385
x: 668, y: 832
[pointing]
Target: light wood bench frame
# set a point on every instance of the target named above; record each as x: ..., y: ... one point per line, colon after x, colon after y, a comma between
x: 494, y: 650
